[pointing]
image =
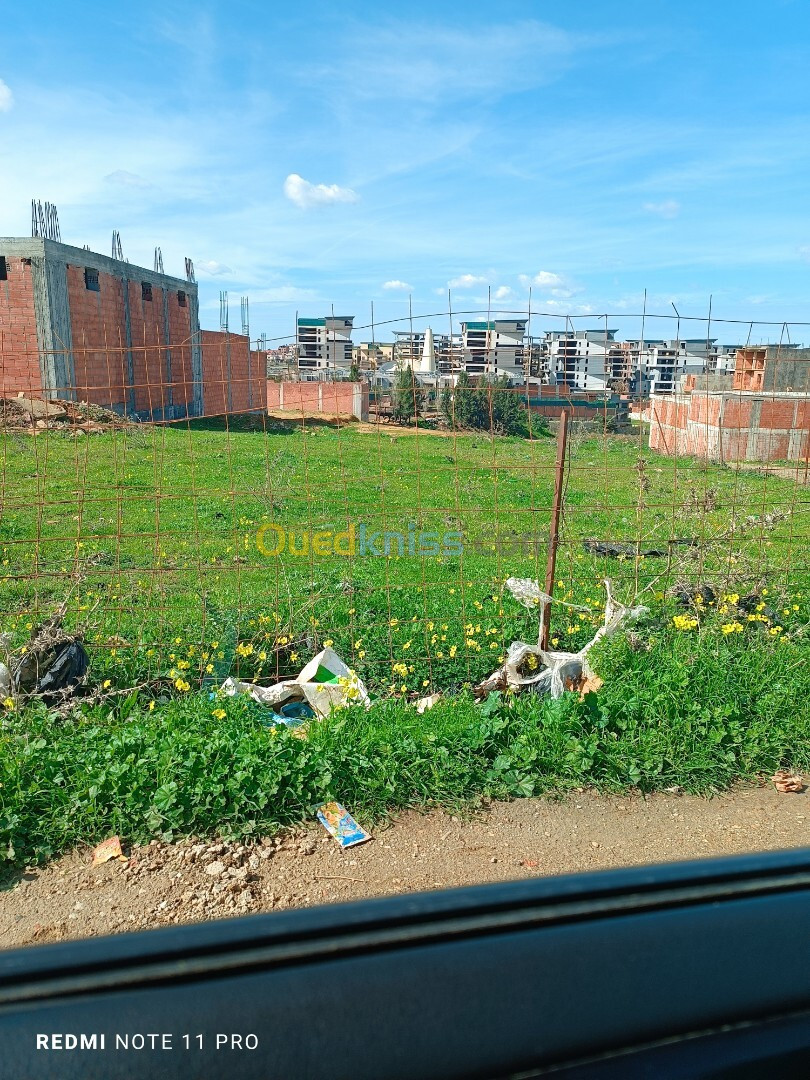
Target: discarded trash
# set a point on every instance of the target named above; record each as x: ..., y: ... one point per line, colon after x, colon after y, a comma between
x: 324, y: 683
x: 6, y: 683
x: 425, y: 703
x: 53, y: 663
x: 620, y: 551
x: 292, y: 715
x: 688, y: 595
x: 339, y: 823
x: 108, y: 849
x: 529, y: 666
x: 530, y: 864
x: 590, y: 686
x: 786, y: 782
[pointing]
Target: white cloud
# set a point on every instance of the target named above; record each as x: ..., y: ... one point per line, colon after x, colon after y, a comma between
x: 544, y: 278
x: 306, y: 195
x: 6, y: 97
x: 212, y: 268
x: 397, y: 284
x: 669, y: 208
x: 126, y: 179
x: 567, y: 309
x: 502, y: 292
x: 466, y: 281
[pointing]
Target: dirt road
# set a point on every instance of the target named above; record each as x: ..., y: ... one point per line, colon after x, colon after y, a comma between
x: 168, y: 884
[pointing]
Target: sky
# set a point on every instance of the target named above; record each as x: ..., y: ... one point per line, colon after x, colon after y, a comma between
x: 555, y: 157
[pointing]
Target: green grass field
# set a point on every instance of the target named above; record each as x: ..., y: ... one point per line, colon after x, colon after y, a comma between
x: 150, y: 537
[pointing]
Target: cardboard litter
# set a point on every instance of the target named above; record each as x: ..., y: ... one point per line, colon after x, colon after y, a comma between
x: 787, y: 782
x: 325, y: 682
x: 108, y: 849
x: 339, y: 823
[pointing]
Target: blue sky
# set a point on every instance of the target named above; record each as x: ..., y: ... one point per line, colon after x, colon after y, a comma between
x: 317, y: 154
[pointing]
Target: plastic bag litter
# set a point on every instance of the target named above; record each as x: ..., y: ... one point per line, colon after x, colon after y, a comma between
x: 53, y: 664
x: 546, y: 671
x: 325, y: 682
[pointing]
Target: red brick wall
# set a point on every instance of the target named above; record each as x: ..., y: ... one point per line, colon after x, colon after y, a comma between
x: 327, y: 398
x: 180, y: 341
x: 247, y: 369
x: 98, y: 326
x: 754, y: 427
x: 98, y: 329
x: 19, y: 349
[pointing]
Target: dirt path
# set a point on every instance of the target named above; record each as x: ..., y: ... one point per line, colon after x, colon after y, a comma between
x: 165, y: 884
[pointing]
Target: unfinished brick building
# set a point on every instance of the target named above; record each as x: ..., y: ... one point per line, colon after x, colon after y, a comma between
x: 77, y: 325
x: 81, y: 326
x: 763, y: 416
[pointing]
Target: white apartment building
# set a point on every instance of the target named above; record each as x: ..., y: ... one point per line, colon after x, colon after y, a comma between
x: 657, y: 365
x: 324, y: 346
x: 494, y: 348
x: 584, y: 359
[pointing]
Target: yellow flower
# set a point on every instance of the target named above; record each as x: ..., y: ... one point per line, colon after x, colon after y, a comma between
x: 8, y: 703
x: 293, y: 656
x: 209, y: 668
x: 732, y: 627
x: 151, y: 706
x: 218, y: 714
x: 684, y: 622
x: 403, y: 688
x: 328, y: 643
x: 244, y: 650
x: 400, y: 669
x: 393, y: 622
x: 554, y: 641
x: 361, y: 653
x: 183, y: 665
x: 178, y: 641
x: 406, y: 645
x: 214, y: 644
x: 182, y: 685
x: 453, y: 650
x: 426, y: 682
x: 106, y: 684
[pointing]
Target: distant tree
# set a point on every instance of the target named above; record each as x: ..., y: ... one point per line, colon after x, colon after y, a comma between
x: 354, y: 371
x: 467, y: 403
x: 447, y: 405
x: 409, y: 398
x: 487, y: 405
x: 508, y: 411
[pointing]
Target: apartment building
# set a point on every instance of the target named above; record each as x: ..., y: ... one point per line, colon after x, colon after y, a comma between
x: 369, y: 355
x: 584, y: 359
x: 494, y: 348
x: 324, y: 346
x: 658, y: 364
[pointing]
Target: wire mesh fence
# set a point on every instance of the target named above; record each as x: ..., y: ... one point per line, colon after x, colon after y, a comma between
x: 244, y: 539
